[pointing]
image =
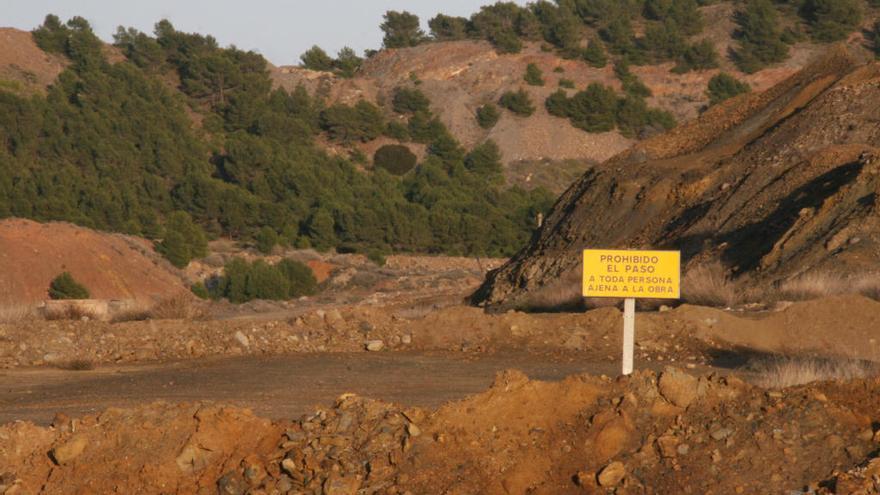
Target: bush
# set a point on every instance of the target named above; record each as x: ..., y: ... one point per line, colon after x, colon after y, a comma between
x: 557, y: 104
x: 517, y: 102
x: 300, y: 278
x: 566, y: 83
x: 65, y: 287
x: 315, y: 58
x: 184, y: 240
x: 267, y: 239
x: 397, y: 131
x: 243, y: 281
x: 724, y: 86
x: 362, y: 122
x: 395, y: 158
x: 447, y: 28
x: 424, y: 128
x: 700, y: 56
x: 410, y: 101
x: 534, y: 76
x: 593, y: 109
x: 595, y: 55
x: 832, y: 20
x: 760, y: 37
x: 488, y: 115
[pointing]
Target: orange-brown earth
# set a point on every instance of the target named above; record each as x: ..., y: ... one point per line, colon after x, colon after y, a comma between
x: 111, y: 266
x: 649, y: 433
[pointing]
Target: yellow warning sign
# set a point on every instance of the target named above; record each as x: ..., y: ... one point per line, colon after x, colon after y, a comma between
x: 632, y: 274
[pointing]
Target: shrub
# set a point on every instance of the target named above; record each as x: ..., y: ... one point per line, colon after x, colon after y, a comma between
x: 64, y: 286
x: 517, y: 102
x: 593, y: 109
x: 724, y: 86
x: 267, y: 238
x: 200, y: 290
x: 595, y: 55
x: 425, y: 128
x: 488, y: 115
x: 315, y: 58
x: 831, y: 20
x: 447, y: 28
x: 243, y: 281
x: 557, y: 104
x: 362, y: 122
x: 397, y: 131
x: 178, y: 307
x: 566, y: 83
x: 395, y: 158
x: 534, y: 76
x: 760, y: 37
x: 184, y: 240
x: 408, y: 100
x: 300, y: 278
x: 700, y: 56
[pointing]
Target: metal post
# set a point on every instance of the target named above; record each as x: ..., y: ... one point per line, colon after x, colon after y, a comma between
x: 629, y: 330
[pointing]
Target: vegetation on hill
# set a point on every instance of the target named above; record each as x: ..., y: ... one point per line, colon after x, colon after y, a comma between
x: 724, y: 86
x: 242, y: 281
x: 115, y: 147
x: 64, y: 286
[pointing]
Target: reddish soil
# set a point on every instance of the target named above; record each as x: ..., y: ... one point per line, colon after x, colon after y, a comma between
x: 650, y: 433
x: 111, y: 266
x: 22, y: 61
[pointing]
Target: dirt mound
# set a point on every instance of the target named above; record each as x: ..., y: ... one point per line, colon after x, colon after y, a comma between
x: 23, y: 65
x: 650, y: 433
x: 111, y: 266
x: 773, y: 184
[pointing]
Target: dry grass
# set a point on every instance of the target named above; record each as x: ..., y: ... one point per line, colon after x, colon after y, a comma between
x: 814, y: 285
x: 131, y: 314
x: 790, y: 372
x: 179, y: 307
x: 16, y: 314
x: 709, y: 285
x: 69, y: 312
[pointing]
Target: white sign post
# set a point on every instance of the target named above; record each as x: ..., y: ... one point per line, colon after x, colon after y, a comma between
x: 629, y: 334
x: 631, y: 275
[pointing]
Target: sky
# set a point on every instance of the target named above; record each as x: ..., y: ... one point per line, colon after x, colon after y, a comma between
x: 280, y: 30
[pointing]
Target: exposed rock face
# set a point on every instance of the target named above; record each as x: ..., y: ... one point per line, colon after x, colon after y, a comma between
x: 772, y: 184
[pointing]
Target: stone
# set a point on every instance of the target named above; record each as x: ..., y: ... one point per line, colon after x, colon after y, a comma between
x: 406, y: 339
x: 69, y: 450
x: 668, y: 446
x: 334, y: 317
x: 336, y: 484
x: 193, y: 458
x: 721, y: 433
x: 611, y: 440
x: 375, y: 345
x: 678, y: 387
x: 242, y: 339
x: 289, y: 466
x: 612, y: 474
x: 413, y: 430
x: 231, y: 483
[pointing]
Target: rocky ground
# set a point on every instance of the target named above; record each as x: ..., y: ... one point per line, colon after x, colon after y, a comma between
x: 649, y: 433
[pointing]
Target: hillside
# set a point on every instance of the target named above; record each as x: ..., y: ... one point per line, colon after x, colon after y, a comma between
x: 460, y: 76
x: 110, y: 266
x: 453, y: 142
x: 772, y: 184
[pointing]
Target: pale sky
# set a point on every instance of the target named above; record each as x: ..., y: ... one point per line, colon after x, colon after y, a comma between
x: 281, y: 30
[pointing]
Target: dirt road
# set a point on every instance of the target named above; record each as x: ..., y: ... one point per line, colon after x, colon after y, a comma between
x: 278, y: 386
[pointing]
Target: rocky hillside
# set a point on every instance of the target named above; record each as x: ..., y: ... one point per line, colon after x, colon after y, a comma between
x: 461, y: 76
x: 772, y: 184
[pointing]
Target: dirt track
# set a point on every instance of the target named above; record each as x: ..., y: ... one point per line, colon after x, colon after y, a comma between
x: 276, y: 387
